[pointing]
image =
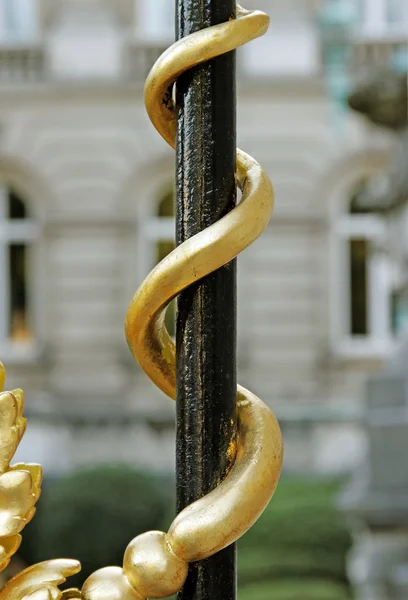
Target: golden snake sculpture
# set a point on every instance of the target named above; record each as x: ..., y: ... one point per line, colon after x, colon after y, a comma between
x: 156, y: 563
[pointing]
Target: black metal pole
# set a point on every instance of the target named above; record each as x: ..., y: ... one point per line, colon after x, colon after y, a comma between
x: 206, y: 318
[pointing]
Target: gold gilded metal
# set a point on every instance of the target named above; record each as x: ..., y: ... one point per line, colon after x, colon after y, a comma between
x: 156, y: 563
x: 19, y: 484
x: 40, y: 582
x: 221, y: 517
x: 20, y: 488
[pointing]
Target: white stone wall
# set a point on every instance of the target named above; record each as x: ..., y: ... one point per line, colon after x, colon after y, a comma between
x: 93, y: 168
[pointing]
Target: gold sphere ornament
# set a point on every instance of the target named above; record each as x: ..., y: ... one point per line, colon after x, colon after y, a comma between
x: 109, y: 583
x: 152, y: 567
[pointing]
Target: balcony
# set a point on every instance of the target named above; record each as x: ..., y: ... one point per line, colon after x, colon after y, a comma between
x: 31, y: 62
x: 378, y: 49
x: 21, y: 63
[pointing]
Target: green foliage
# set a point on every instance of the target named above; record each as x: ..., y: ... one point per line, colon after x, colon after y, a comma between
x: 300, y: 535
x: 295, y: 590
x: 296, y: 551
x: 92, y: 516
x: 287, y: 563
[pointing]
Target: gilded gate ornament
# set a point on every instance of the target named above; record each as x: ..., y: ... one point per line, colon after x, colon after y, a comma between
x: 19, y: 492
x: 156, y: 563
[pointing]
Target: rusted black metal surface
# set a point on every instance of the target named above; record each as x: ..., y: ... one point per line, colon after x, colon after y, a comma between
x: 206, y: 319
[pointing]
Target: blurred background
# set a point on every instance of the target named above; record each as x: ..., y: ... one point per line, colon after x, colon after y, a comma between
x: 86, y: 210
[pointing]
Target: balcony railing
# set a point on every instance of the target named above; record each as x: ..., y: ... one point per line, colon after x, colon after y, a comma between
x: 21, y: 63
x: 26, y: 63
x: 377, y: 52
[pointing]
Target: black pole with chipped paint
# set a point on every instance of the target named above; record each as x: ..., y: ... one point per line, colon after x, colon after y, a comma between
x: 206, y: 316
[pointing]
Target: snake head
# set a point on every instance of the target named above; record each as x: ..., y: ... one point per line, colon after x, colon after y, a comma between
x: 40, y: 582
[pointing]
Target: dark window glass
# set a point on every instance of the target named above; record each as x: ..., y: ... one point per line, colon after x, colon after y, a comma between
x: 19, y: 326
x: 358, y: 252
x: 16, y: 207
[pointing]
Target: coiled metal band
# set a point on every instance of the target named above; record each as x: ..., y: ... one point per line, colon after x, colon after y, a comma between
x: 155, y: 563
x: 221, y: 517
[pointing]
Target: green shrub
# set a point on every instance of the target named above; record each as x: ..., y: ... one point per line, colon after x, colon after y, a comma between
x: 299, y: 544
x: 299, y: 535
x: 297, y: 549
x: 295, y: 590
x: 92, y: 515
x: 255, y: 565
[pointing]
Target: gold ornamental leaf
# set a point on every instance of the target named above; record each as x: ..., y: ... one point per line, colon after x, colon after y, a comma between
x: 8, y: 547
x: 2, y: 376
x: 12, y: 427
x: 36, y: 473
x: 40, y: 582
x: 16, y: 501
x: 20, y: 421
x: 43, y: 594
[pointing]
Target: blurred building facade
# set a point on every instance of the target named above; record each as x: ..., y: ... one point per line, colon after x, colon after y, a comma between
x: 85, y: 203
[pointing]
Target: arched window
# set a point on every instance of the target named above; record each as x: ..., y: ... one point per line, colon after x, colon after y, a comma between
x: 17, y: 232
x: 159, y: 231
x: 18, y: 19
x: 363, y: 280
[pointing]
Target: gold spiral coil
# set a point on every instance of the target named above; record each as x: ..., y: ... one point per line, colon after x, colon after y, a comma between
x: 221, y: 517
x: 155, y: 563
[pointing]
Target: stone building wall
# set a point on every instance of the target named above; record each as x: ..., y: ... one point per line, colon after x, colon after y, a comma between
x: 92, y: 171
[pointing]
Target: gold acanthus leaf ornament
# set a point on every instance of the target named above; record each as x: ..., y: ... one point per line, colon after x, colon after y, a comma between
x: 19, y: 484
x: 20, y: 488
x: 40, y: 582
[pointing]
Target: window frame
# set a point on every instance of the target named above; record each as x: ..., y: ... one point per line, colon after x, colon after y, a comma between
x: 27, y: 233
x: 152, y: 230
x: 380, y: 340
x: 155, y: 229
